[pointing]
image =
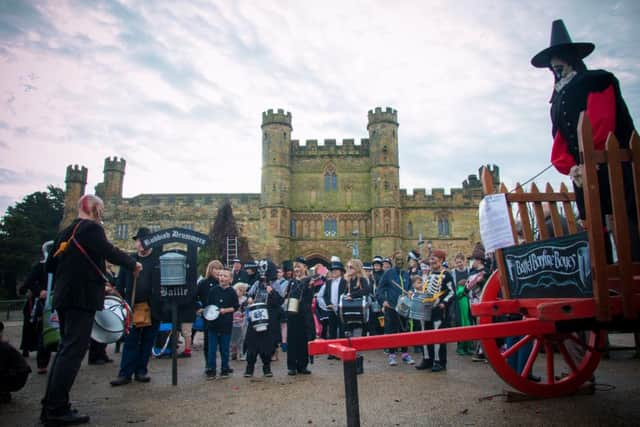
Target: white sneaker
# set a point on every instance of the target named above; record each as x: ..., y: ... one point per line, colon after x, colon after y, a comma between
x: 392, y: 360
x: 406, y: 358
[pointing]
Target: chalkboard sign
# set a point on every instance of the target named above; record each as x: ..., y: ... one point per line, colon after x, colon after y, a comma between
x: 554, y: 268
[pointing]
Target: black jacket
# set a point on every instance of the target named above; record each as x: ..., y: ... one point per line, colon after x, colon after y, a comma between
x: 78, y: 284
x: 342, y: 288
x: 150, y: 263
x: 223, y: 298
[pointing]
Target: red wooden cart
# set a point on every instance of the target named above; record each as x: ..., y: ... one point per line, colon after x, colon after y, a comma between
x: 555, y: 325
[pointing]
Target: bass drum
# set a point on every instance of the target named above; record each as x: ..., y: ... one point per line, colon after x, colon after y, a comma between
x: 109, y: 324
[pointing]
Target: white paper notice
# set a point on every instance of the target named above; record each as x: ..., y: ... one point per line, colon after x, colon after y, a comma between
x: 495, y: 228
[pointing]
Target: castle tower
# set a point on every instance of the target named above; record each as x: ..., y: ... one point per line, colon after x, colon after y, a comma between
x: 385, y: 181
x: 113, y: 179
x: 75, y: 182
x: 275, y: 213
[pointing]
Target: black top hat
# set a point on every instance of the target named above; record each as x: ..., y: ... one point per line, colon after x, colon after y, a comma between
x: 337, y: 265
x: 142, y: 232
x: 377, y: 260
x: 236, y: 260
x: 367, y: 266
x: 287, y: 265
x: 561, y: 42
x: 387, y: 259
x: 413, y: 255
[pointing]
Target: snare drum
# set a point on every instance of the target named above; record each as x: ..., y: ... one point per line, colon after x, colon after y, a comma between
x: 109, y: 323
x: 417, y: 309
x: 355, y: 310
x: 404, y: 305
x: 259, y: 316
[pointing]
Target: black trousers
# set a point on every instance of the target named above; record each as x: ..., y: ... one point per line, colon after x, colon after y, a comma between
x: 297, y: 352
x: 394, y: 324
x: 75, y: 330
x: 335, y: 328
x: 251, y: 361
x: 97, y: 351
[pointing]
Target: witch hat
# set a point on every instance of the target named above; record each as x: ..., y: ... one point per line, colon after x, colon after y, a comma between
x: 561, y: 42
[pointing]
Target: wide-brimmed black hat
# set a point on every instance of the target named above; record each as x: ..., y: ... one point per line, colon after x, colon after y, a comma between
x: 301, y: 260
x: 142, y: 232
x: 337, y: 265
x: 561, y: 42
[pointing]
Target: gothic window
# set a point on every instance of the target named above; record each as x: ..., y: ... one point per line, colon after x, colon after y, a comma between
x: 330, y: 178
x: 443, y: 226
x: 330, y: 227
x: 122, y: 231
x: 292, y: 230
x: 410, y: 229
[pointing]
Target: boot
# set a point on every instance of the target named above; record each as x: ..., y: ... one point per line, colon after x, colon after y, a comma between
x: 425, y: 364
x: 248, y: 372
x: 359, y: 365
x: 266, y: 370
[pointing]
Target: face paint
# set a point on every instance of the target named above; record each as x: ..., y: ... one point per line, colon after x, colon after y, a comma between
x: 558, y: 71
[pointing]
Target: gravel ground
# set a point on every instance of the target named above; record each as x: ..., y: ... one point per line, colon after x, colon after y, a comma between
x: 468, y: 394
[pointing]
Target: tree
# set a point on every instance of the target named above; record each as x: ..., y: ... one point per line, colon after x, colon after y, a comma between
x: 224, y: 226
x: 25, y: 227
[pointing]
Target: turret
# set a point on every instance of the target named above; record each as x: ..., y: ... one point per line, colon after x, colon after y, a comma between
x: 276, y: 182
x: 385, y: 179
x: 113, y: 178
x: 75, y: 182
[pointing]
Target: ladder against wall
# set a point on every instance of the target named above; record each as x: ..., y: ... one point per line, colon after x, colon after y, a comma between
x: 232, y: 249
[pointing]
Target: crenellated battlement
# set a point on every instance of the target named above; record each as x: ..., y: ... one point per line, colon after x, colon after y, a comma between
x: 76, y: 174
x: 378, y: 115
x: 330, y: 147
x: 280, y: 117
x: 114, y: 164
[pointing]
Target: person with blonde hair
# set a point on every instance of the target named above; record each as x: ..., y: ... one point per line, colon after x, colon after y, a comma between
x: 209, y: 281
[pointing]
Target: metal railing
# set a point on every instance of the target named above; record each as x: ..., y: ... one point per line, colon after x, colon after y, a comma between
x: 12, y: 307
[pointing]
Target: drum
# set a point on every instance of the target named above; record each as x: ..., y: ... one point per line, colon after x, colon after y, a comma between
x: 292, y: 305
x: 404, y: 305
x: 418, y: 309
x: 211, y: 312
x: 259, y: 316
x: 355, y: 310
x: 109, y: 323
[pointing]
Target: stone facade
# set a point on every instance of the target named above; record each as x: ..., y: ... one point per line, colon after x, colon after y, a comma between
x: 316, y: 199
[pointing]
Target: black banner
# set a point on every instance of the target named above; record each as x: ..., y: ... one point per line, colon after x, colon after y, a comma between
x: 175, y: 234
x: 554, y: 268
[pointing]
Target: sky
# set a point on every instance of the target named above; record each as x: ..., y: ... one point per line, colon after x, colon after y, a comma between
x: 178, y: 88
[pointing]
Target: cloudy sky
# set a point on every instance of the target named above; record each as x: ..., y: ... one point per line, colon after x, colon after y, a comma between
x: 177, y: 88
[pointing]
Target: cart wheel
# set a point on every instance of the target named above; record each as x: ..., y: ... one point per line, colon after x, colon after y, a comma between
x: 575, y: 363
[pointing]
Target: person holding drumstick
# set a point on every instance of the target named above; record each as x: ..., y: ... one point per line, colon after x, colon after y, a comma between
x: 300, y: 326
x: 77, y: 263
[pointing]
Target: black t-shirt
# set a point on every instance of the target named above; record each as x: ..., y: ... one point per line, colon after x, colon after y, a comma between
x: 223, y: 298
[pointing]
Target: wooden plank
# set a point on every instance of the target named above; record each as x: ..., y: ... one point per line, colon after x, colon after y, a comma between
x: 568, y: 210
x: 541, y: 197
x: 620, y: 223
x: 525, y: 220
x: 594, y: 216
x: 634, y: 145
x: 556, y: 222
x: 539, y: 214
x: 487, y: 181
x: 603, y: 157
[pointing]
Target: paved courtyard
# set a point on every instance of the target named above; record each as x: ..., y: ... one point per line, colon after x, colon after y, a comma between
x: 468, y: 394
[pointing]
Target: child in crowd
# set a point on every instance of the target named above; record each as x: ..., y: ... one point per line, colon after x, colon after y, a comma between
x: 239, y: 325
x: 219, y: 330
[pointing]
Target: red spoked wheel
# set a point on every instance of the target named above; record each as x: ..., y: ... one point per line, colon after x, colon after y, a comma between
x: 559, y: 374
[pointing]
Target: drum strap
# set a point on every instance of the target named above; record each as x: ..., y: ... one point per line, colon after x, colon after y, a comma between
x: 84, y: 252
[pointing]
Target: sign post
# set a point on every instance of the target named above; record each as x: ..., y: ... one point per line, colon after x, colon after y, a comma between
x: 178, y: 269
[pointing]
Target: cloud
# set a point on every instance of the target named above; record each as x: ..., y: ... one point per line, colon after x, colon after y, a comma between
x: 179, y: 92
